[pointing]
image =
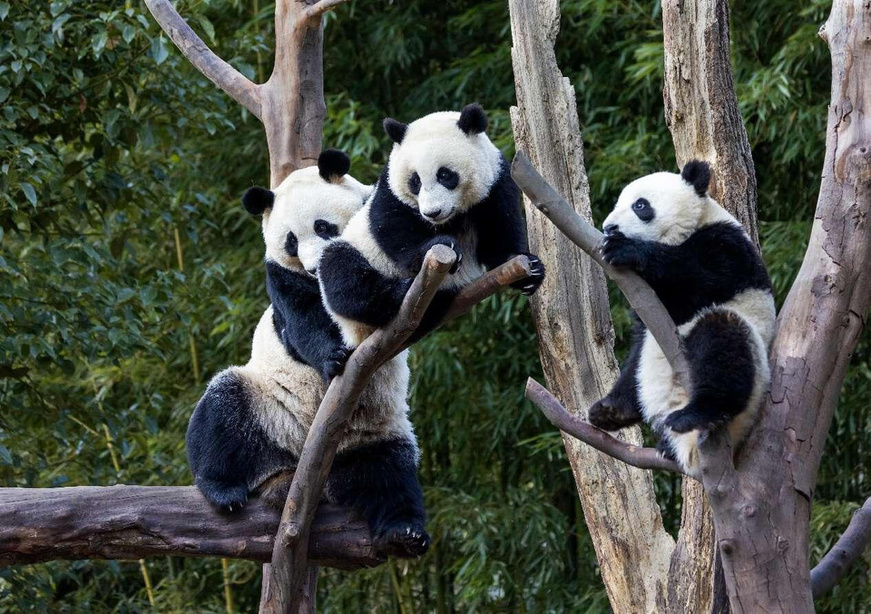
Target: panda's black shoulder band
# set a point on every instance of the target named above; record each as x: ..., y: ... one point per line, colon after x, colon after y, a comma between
x: 256, y: 200
x: 333, y: 164
x: 697, y: 174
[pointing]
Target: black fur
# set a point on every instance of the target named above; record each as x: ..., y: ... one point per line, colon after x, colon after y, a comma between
x: 301, y: 322
x: 698, y: 175
x: 380, y: 480
x: 356, y: 290
x: 720, y: 356
x: 472, y: 120
x: 395, y: 130
x: 256, y: 200
x: 713, y: 265
x: 333, y: 164
x: 227, y: 449
x: 621, y: 407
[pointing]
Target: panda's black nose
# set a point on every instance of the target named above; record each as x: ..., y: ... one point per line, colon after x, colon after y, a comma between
x: 433, y: 214
x: 611, y: 229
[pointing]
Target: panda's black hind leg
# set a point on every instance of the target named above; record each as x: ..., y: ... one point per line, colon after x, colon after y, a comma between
x: 223, y: 495
x: 380, y: 481
x: 720, y: 354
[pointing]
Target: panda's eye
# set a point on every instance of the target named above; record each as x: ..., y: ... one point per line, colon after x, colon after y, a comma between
x: 448, y: 178
x: 414, y: 184
x: 291, y: 245
x: 643, y: 210
x: 325, y: 230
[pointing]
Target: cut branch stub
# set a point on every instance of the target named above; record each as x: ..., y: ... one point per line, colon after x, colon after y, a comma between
x: 288, y: 570
x: 641, y: 296
x: 560, y: 417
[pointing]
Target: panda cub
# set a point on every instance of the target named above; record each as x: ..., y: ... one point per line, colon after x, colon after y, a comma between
x: 714, y: 284
x: 444, y: 183
x: 249, y: 428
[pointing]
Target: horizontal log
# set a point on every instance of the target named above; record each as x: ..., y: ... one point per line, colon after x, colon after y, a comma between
x: 132, y: 522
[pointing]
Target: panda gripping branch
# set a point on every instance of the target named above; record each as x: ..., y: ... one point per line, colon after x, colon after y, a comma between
x: 444, y: 183
x: 714, y: 284
x: 247, y: 432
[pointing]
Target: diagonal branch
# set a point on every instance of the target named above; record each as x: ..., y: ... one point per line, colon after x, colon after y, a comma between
x: 289, y: 567
x: 204, y: 59
x: 849, y: 547
x: 643, y: 458
x: 641, y: 296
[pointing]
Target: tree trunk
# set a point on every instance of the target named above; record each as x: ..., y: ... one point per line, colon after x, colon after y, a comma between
x: 573, y: 322
x: 763, y: 524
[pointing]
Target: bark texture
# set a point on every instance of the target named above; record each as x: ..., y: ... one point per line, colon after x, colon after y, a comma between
x: 132, y: 522
x: 573, y: 322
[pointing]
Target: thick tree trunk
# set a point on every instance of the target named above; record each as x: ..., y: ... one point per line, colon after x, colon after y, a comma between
x: 572, y: 318
x: 763, y: 524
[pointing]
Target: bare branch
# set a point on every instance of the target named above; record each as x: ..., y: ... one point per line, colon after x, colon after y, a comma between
x: 288, y: 570
x: 132, y: 522
x: 204, y: 59
x: 849, y: 547
x: 516, y: 269
x: 640, y: 295
x: 317, y: 10
x: 560, y: 417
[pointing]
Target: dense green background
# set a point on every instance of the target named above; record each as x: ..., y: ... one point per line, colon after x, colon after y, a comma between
x: 110, y: 144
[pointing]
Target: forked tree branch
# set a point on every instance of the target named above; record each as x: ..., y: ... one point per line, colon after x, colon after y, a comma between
x: 849, y: 547
x: 219, y: 72
x: 289, y: 567
x: 133, y: 522
x: 643, y: 458
x: 315, y: 11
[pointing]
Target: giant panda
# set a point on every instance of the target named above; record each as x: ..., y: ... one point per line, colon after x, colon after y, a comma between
x: 444, y: 183
x: 713, y: 282
x: 248, y: 429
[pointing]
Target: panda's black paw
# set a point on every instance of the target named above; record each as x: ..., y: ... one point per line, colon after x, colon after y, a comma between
x: 689, y: 419
x: 439, y: 240
x: 335, y: 363
x: 619, y: 250
x: 536, y: 276
x: 226, y: 497
x: 607, y: 415
x: 404, y: 540
x: 663, y: 447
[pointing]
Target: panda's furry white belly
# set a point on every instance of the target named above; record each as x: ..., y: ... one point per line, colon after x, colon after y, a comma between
x: 660, y: 394
x: 288, y: 394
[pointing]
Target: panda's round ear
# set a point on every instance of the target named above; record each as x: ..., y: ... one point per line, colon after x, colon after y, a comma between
x: 472, y: 120
x: 697, y: 174
x: 333, y: 164
x: 395, y: 130
x: 257, y: 200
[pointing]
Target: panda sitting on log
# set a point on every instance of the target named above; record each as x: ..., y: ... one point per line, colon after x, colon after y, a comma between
x: 714, y: 284
x: 248, y: 430
x: 445, y: 183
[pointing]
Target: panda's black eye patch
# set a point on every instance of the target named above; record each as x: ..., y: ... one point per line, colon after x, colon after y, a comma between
x: 643, y: 210
x: 325, y: 230
x: 448, y: 178
x: 414, y: 184
x: 291, y: 245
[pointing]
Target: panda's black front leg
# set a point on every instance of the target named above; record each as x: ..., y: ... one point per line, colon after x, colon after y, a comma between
x: 380, y: 481
x: 620, y: 250
x: 415, y: 261
x: 531, y: 283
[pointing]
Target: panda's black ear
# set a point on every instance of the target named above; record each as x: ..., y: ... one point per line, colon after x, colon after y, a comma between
x: 395, y: 130
x: 697, y: 174
x: 333, y: 164
x: 472, y: 120
x: 257, y: 200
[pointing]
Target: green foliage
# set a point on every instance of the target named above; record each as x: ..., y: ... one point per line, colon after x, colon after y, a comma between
x: 110, y: 144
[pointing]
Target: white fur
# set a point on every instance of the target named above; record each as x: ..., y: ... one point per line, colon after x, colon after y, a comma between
x: 301, y: 199
x: 436, y: 141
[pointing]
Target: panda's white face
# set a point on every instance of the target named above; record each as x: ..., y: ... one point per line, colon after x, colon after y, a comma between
x: 307, y: 213
x: 661, y: 207
x: 439, y: 169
